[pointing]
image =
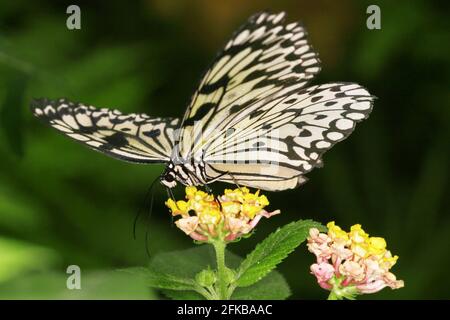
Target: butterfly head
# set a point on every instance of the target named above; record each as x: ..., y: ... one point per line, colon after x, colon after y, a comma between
x: 168, y: 178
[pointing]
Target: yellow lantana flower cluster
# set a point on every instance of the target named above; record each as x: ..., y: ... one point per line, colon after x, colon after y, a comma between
x: 351, y: 259
x: 229, y: 216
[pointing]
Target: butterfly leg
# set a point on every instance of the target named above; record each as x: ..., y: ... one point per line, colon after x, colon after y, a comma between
x: 209, y: 190
x: 218, y: 201
x: 235, y: 181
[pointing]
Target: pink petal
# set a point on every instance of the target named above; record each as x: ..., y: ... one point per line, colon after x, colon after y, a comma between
x: 323, y: 271
x: 371, y: 286
x: 198, y: 236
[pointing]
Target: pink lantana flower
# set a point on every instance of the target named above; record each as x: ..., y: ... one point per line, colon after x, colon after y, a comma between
x: 234, y: 214
x: 351, y: 263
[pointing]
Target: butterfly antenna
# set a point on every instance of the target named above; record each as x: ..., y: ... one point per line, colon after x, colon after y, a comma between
x: 136, y: 218
x: 147, y: 249
x: 235, y: 181
x: 170, y: 194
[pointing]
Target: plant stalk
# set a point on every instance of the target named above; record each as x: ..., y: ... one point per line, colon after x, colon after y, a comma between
x: 219, y: 247
x: 332, y: 296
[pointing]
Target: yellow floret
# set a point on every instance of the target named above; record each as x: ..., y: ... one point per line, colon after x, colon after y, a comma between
x: 335, y: 232
x: 357, y: 234
x: 190, y: 191
x: 377, y: 246
x: 250, y: 210
x: 210, y: 216
x: 263, y: 201
x: 171, y: 205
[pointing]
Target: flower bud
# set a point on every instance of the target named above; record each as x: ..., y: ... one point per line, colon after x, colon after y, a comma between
x: 229, y: 275
x: 206, y: 278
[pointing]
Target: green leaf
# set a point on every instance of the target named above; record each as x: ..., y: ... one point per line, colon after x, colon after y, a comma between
x: 162, y: 280
x: 271, y: 287
x: 272, y: 250
x: 174, y: 272
x: 186, y: 263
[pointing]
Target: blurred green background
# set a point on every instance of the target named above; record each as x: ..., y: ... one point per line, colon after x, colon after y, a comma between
x: 62, y: 204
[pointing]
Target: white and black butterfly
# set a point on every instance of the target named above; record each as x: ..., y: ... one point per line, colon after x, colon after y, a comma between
x: 251, y: 122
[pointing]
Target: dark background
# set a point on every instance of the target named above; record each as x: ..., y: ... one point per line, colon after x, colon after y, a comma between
x: 61, y: 203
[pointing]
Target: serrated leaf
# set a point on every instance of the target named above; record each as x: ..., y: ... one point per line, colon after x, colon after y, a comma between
x: 271, y: 287
x: 185, y: 263
x: 173, y: 272
x: 176, y: 270
x: 272, y: 250
x: 161, y: 280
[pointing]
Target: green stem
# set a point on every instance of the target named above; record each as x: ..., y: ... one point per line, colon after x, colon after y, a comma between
x: 206, y: 293
x: 339, y: 292
x: 219, y: 247
x: 212, y: 293
x: 333, y: 296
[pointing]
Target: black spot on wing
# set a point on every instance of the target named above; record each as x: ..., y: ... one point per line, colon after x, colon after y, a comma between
x: 290, y: 101
x: 201, y: 112
x: 236, y: 108
x: 255, y: 75
x: 316, y: 98
x: 329, y: 103
x: 229, y: 132
x: 152, y: 133
x: 211, y: 87
x: 256, y: 113
x: 86, y: 130
x: 305, y: 133
x: 116, y: 140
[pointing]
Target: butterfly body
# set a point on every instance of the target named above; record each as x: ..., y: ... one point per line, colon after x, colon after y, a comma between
x: 252, y: 122
x: 188, y: 173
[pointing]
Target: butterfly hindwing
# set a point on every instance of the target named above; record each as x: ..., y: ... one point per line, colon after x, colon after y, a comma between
x: 130, y: 137
x: 282, y: 139
x: 253, y: 122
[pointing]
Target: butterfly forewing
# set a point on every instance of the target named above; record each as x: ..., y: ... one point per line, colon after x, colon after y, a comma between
x: 264, y: 58
x: 130, y: 137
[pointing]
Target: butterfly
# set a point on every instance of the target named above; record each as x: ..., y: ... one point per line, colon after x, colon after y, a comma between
x: 253, y: 120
